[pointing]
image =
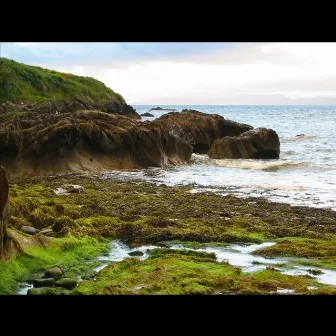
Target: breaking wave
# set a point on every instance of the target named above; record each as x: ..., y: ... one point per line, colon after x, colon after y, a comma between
x: 248, y: 163
x: 259, y: 164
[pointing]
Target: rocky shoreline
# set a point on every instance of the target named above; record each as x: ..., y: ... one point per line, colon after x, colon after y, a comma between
x: 141, y: 213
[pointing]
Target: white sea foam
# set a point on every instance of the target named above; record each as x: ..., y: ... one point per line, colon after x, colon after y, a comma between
x: 259, y: 164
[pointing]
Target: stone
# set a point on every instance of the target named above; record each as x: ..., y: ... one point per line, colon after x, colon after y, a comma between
x: 258, y: 143
x: 67, y: 283
x: 47, y: 282
x: 147, y: 114
x: 63, y: 232
x: 54, y: 272
x: 61, y: 222
x: 34, y: 291
x: 29, y: 230
x: 47, y: 232
x: 136, y: 253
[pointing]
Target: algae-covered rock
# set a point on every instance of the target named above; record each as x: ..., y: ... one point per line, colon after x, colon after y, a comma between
x: 259, y: 143
x: 34, y: 291
x: 47, y: 282
x: 63, y: 232
x: 42, y: 216
x: 54, y: 272
x: 67, y: 283
x: 136, y: 253
x: 62, y: 222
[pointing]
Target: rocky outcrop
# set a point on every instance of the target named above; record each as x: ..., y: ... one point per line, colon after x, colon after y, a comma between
x: 259, y: 143
x: 4, y: 208
x: 147, y: 114
x: 200, y: 129
x: 69, y: 105
x: 38, y: 144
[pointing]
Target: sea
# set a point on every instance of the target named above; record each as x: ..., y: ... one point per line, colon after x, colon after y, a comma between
x: 305, y: 173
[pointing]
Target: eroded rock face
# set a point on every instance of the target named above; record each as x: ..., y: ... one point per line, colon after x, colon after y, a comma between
x: 200, y: 129
x: 258, y: 143
x: 86, y: 141
x: 4, y: 207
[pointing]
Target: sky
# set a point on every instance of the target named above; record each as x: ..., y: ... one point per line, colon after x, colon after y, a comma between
x: 195, y: 72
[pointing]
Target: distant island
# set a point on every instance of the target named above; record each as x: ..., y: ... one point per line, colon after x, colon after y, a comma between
x: 162, y: 109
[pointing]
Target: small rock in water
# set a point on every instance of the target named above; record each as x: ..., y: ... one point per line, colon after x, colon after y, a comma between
x: 54, y: 272
x: 147, y: 114
x: 300, y: 135
x: 28, y: 230
x: 136, y: 253
x: 47, y: 282
x: 67, y: 283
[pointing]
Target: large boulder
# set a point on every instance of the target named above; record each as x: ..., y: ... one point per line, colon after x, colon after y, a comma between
x: 4, y: 207
x: 86, y: 141
x: 258, y: 143
x: 200, y: 129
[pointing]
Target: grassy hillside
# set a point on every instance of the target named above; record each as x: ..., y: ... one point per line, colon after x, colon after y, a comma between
x: 20, y: 82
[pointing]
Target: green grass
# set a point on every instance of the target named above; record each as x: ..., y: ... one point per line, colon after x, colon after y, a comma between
x: 61, y: 252
x: 20, y: 82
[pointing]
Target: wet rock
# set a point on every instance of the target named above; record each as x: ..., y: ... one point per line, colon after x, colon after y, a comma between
x: 4, y: 206
x: 54, y: 272
x: 258, y: 143
x: 61, y: 222
x: 74, y: 188
x: 63, y: 232
x: 47, y: 282
x: 67, y: 283
x: 34, y: 291
x: 136, y: 253
x: 29, y: 230
x: 47, y: 232
x: 147, y: 114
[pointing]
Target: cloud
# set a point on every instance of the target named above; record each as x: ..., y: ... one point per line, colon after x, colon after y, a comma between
x: 208, y: 73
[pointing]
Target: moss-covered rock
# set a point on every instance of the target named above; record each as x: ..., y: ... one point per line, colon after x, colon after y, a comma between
x: 61, y: 222
x: 67, y: 283
x: 259, y: 143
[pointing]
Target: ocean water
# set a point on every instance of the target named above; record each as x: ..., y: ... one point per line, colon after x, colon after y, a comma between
x: 305, y: 173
